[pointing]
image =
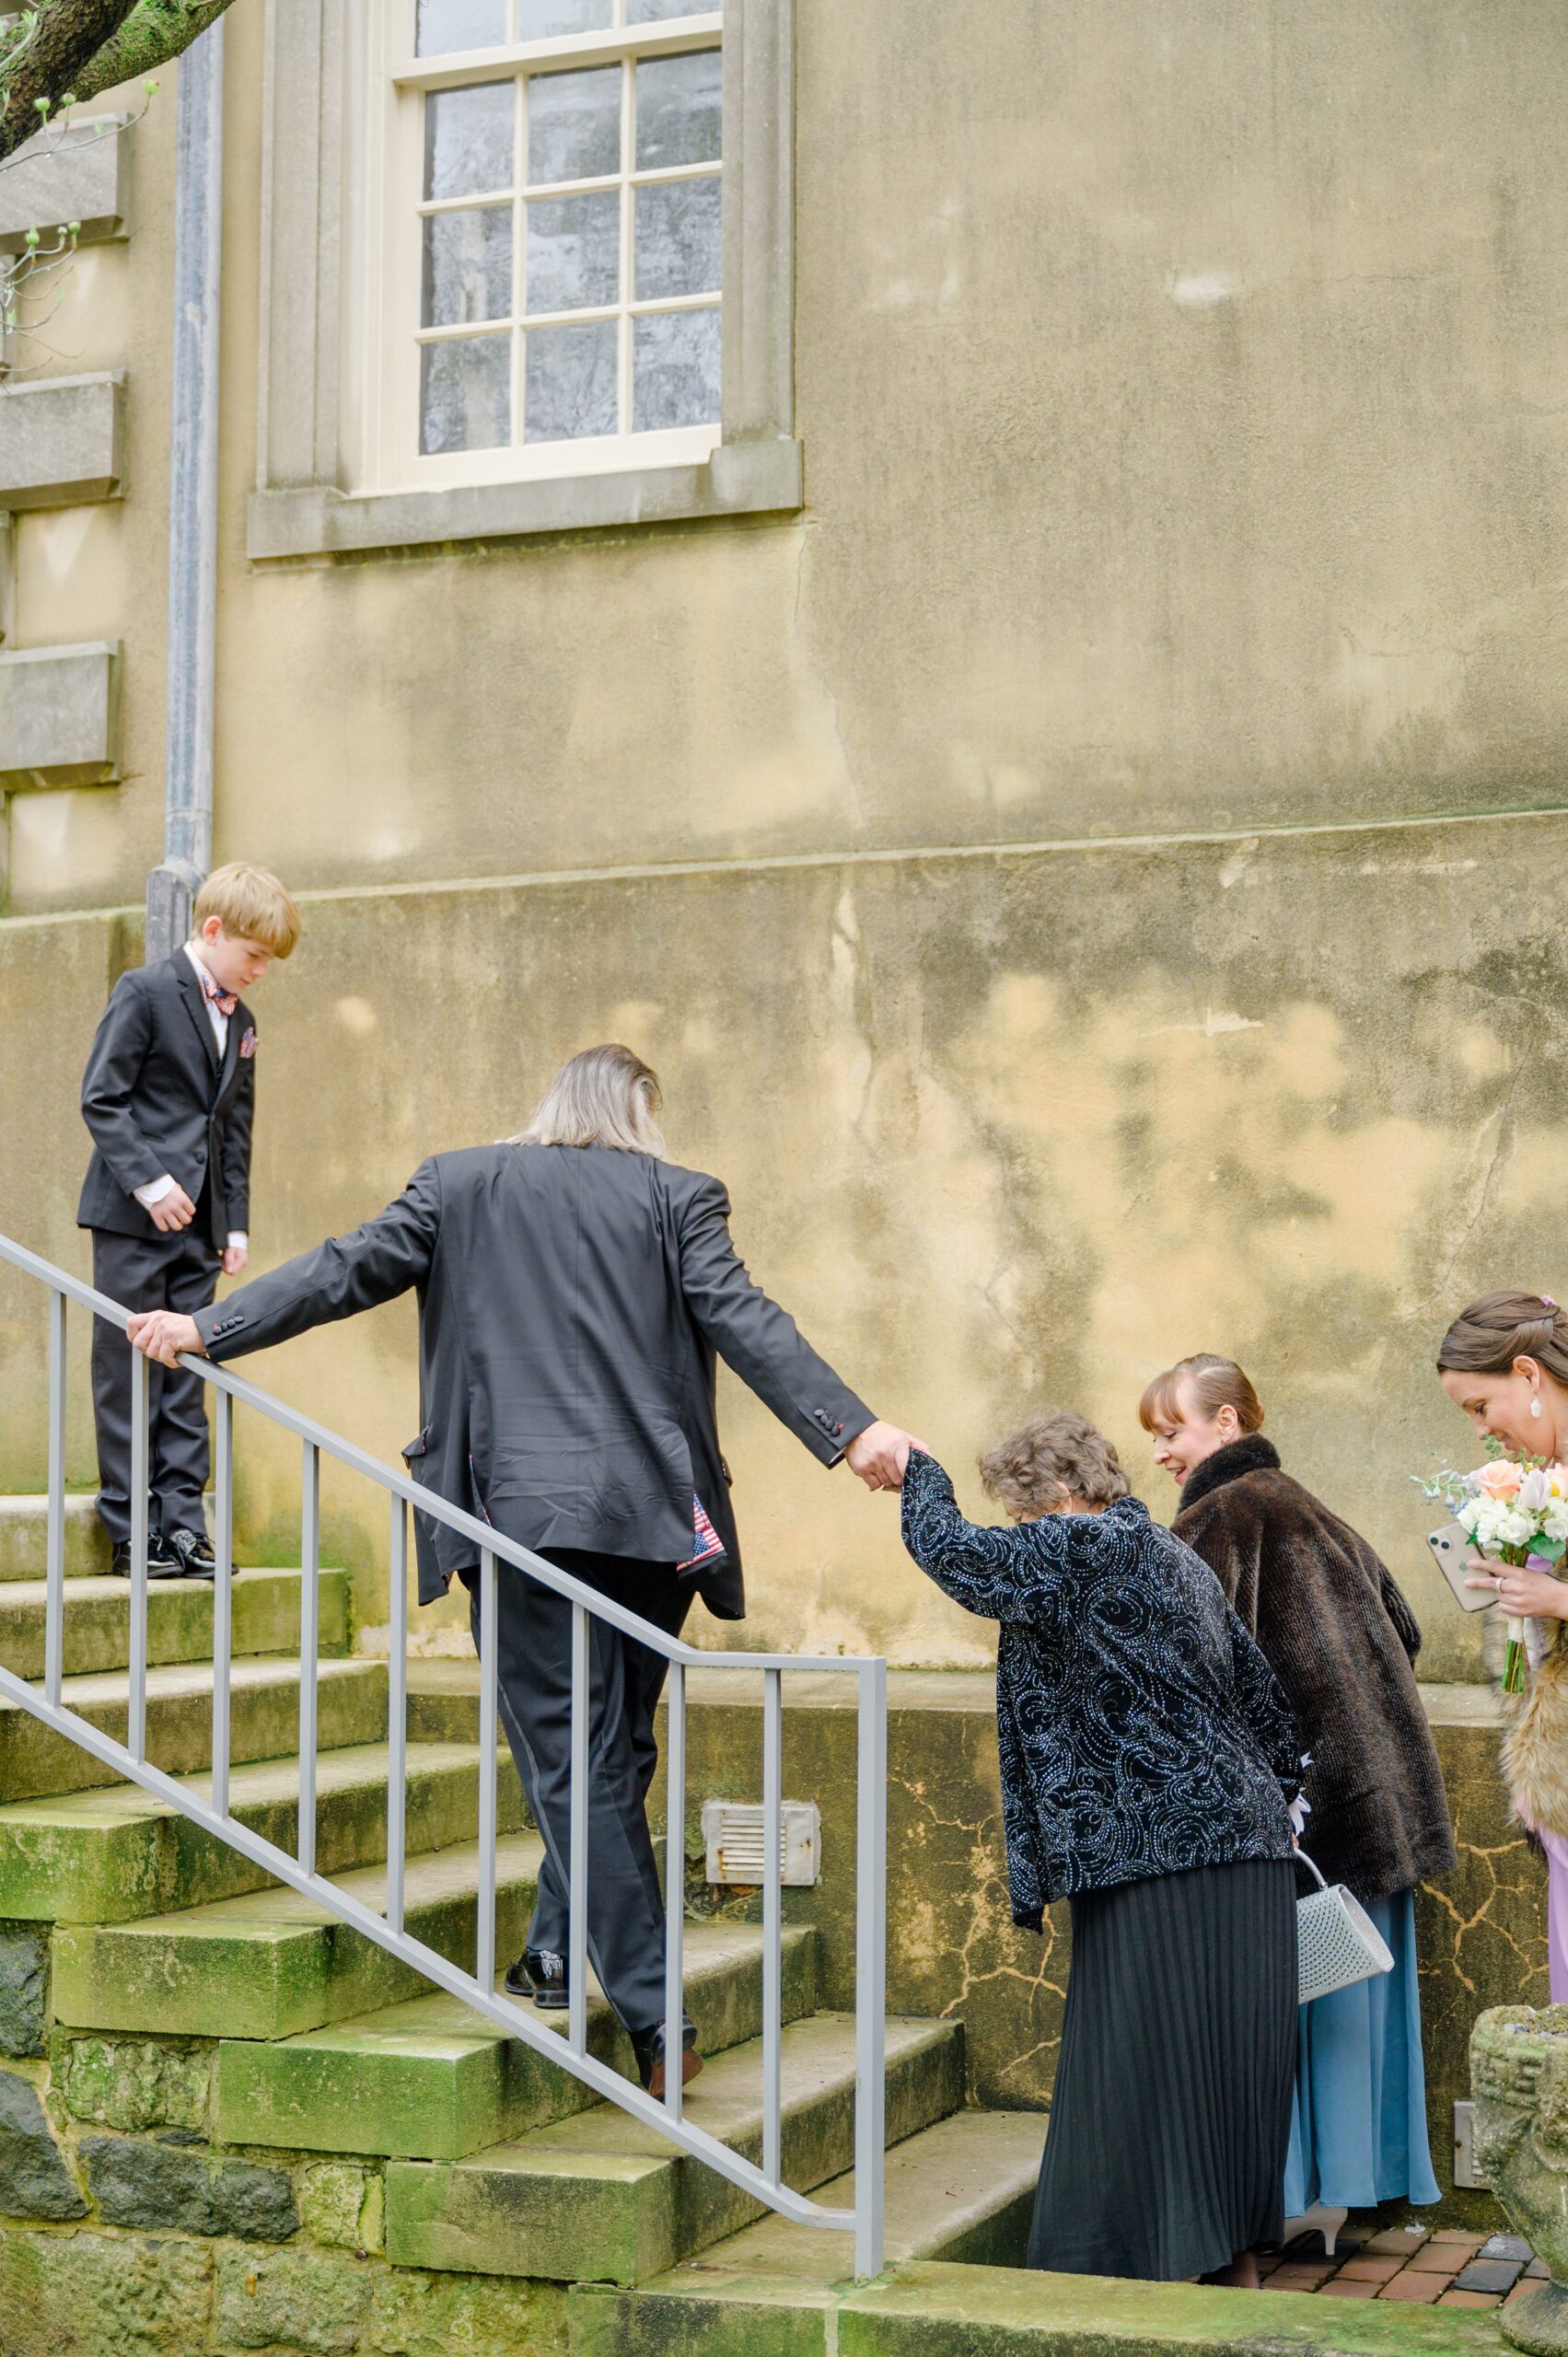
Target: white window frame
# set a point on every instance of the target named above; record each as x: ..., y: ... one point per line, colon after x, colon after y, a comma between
x: 339, y: 469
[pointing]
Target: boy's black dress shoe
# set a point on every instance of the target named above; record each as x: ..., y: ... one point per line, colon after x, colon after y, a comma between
x: 540, y: 1973
x: 647, y: 2045
x: 162, y: 1562
x: 193, y: 1551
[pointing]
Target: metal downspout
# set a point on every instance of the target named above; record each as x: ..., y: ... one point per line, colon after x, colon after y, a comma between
x: 193, y: 495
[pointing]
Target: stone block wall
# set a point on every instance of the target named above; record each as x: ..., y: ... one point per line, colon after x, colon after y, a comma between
x: 142, y: 2236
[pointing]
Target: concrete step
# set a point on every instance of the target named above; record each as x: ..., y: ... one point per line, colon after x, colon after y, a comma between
x: 963, y: 2190
x: 179, y: 1621
x: 599, y: 2198
x: 119, y: 1854
x: 263, y: 1720
x: 24, y: 1537
x: 272, y: 1963
x: 432, y: 2080
x: 936, y: 2307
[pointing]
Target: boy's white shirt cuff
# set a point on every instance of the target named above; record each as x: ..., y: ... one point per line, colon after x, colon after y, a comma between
x: 238, y: 1235
x: 154, y: 1191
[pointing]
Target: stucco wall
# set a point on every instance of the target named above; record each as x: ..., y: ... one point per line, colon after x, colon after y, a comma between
x: 994, y: 1126
x: 1182, y: 398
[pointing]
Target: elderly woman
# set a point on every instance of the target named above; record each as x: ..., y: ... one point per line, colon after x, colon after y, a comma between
x: 1148, y: 1761
x: 1505, y: 1362
x: 1340, y: 1639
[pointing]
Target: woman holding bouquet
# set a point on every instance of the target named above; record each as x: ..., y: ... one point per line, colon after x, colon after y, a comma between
x: 1147, y: 1761
x: 1340, y: 1639
x: 1505, y: 1362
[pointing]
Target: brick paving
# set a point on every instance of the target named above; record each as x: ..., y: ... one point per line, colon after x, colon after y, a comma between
x: 1411, y: 2265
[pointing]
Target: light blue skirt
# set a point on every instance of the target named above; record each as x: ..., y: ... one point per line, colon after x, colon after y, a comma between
x: 1358, y: 2123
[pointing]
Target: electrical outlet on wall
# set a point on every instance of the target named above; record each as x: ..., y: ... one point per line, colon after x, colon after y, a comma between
x: 1466, y: 2174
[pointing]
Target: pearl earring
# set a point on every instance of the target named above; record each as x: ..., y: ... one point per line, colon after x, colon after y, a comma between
x: 1535, y: 1406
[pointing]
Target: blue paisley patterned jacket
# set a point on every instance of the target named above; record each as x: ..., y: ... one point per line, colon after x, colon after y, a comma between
x: 1140, y: 1730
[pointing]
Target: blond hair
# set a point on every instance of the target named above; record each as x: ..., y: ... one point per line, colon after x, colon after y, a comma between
x: 1056, y: 1451
x: 250, y: 903
x: 1216, y: 1383
x: 604, y: 1096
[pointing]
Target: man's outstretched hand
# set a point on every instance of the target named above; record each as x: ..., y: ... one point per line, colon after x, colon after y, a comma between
x: 162, y: 1334
x: 879, y: 1454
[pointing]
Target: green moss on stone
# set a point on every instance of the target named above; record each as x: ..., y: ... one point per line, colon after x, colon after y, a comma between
x: 133, y: 2084
x: 100, y: 2295
x: 298, y: 2301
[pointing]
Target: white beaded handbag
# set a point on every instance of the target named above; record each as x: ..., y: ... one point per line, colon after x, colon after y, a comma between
x: 1337, y: 1942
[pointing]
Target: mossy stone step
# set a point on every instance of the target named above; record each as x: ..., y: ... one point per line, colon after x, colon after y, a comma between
x: 962, y: 2190
x: 272, y: 1963
x: 115, y: 1855
x: 179, y: 1621
x: 938, y: 2308
x: 433, y: 2079
x: 24, y: 1537
x: 35, y: 1760
x: 600, y: 2197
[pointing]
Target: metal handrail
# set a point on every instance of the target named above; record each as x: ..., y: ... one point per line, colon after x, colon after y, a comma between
x: 298, y: 1872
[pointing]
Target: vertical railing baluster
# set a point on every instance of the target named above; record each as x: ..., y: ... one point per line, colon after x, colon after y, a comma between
x: 397, y: 1712
x: 222, y: 1601
x: 773, y: 1924
x: 55, y: 1592
x: 870, y: 1962
x: 675, y: 1878
x: 489, y: 1675
x: 136, y: 1700
x: 577, y: 1857
x: 309, y: 1648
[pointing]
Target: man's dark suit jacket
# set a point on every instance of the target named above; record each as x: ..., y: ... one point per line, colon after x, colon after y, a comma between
x: 572, y: 1300
x: 156, y: 1099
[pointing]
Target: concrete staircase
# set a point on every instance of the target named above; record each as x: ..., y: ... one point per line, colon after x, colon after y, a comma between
x: 313, y: 2045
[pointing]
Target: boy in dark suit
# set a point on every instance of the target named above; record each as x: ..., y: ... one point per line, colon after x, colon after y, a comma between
x: 169, y: 1095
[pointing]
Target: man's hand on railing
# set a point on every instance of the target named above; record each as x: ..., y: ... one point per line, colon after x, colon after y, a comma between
x: 879, y: 1454
x: 163, y: 1334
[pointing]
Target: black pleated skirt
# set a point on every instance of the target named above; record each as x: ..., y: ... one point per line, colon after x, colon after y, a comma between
x: 1170, y: 2117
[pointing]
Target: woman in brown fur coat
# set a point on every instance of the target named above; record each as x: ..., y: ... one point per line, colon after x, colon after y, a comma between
x: 1505, y: 1362
x: 1340, y: 1639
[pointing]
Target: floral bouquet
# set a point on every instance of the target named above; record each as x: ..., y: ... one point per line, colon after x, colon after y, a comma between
x: 1514, y: 1513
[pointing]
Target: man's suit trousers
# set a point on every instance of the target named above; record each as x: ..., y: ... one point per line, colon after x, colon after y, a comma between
x: 625, y: 1907
x: 177, y: 1271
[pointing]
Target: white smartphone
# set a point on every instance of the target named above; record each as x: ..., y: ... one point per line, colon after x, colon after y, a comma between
x: 1453, y: 1552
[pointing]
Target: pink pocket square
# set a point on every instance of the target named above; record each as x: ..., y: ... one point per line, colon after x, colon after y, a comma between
x: 248, y: 1045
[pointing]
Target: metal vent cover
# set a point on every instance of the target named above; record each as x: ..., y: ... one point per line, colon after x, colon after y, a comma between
x: 732, y: 1832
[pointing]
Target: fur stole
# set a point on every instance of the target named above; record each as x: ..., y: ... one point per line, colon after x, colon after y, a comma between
x: 1534, y: 1742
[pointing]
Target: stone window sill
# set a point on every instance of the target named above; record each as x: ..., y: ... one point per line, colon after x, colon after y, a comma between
x: 741, y: 479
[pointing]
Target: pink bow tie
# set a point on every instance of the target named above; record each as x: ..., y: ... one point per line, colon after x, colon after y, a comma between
x: 224, y: 1001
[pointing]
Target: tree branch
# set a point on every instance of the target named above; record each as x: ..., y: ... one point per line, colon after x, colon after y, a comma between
x: 152, y: 32
x: 66, y: 37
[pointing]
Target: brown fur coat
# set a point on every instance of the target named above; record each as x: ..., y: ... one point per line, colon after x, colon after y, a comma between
x: 1340, y: 1639
x: 1535, y: 1742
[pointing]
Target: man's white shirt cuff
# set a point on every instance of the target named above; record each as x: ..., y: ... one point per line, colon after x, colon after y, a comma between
x: 154, y: 1191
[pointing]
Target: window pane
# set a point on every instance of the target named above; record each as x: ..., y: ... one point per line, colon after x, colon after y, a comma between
x: 649, y: 12
x: 460, y: 24
x: 679, y: 239
x: 468, y: 266
x: 678, y: 109
x: 575, y: 124
x: 573, y: 251
x: 675, y: 370
x: 539, y: 19
x: 569, y: 382
x: 466, y: 394
x: 468, y: 140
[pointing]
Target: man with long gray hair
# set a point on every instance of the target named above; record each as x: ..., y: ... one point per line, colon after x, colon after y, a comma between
x: 576, y: 1288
